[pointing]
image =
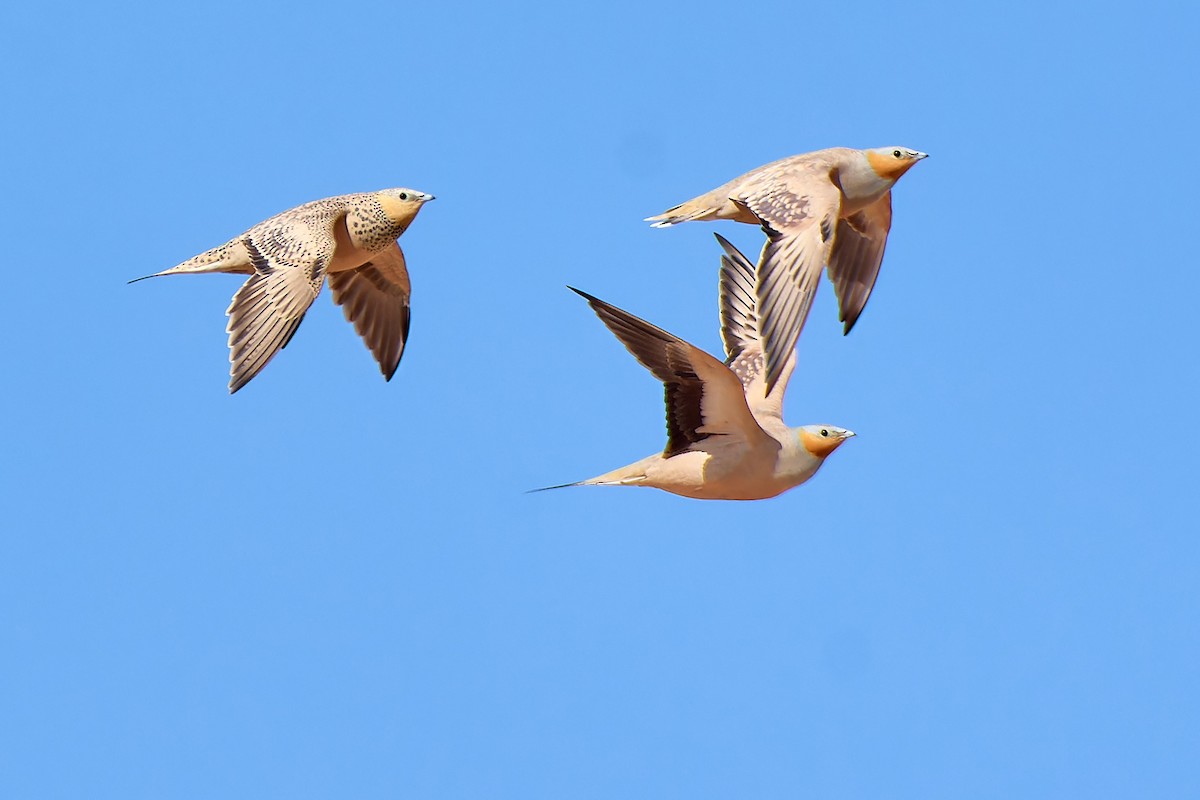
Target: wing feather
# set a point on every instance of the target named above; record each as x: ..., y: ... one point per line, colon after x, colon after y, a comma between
x: 739, y: 313
x: 799, y: 209
x: 375, y: 299
x: 289, y: 257
x: 703, y: 398
x: 856, y: 256
x: 788, y: 271
x: 263, y: 317
x: 740, y: 329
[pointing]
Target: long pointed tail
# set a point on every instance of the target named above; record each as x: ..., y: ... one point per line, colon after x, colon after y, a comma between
x: 559, y: 486
x: 226, y: 258
x: 684, y: 212
x: 630, y: 475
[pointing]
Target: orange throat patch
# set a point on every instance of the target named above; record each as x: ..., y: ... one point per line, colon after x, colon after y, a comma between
x: 888, y: 166
x: 820, y: 446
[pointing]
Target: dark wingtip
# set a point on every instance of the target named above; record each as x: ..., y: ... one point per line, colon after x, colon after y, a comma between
x: 144, y: 277
x: 388, y: 373
x: 238, y: 382
x: 583, y: 294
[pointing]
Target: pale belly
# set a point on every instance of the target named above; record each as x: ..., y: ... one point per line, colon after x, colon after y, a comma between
x: 704, y: 477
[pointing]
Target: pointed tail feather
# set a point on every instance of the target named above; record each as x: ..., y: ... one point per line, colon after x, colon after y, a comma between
x: 225, y: 258
x: 684, y: 212
x: 600, y: 481
x: 559, y: 486
x: 630, y: 475
x: 144, y: 277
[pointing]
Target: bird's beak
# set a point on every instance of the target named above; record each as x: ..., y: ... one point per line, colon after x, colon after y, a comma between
x: 848, y: 434
x: 427, y: 197
x: 919, y: 156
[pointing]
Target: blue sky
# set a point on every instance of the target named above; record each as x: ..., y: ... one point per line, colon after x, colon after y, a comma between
x: 328, y: 585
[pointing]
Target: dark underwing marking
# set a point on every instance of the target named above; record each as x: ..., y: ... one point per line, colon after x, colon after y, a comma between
x: 293, y: 333
x: 257, y: 259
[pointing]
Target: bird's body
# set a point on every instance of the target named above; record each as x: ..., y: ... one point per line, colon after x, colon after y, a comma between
x: 726, y: 439
x: 830, y: 208
x: 349, y: 239
x: 721, y: 468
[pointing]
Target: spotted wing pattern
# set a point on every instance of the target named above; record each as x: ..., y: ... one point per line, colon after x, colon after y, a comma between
x: 289, y: 256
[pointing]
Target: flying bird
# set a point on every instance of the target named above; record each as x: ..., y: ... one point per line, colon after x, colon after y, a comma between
x: 726, y: 439
x: 830, y: 208
x: 349, y: 239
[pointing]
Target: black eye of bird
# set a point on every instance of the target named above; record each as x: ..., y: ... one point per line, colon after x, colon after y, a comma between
x: 824, y: 432
x: 404, y: 195
x: 896, y: 153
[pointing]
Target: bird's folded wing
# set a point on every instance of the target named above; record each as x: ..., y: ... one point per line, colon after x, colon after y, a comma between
x: 743, y: 339
x: 703, y: 398
x: 375, y: 298
x: 856, y: 256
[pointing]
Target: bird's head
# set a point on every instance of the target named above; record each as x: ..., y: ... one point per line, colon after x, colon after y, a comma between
x: 821, y: 440
x: 401, y: 205
x: 890, y: 163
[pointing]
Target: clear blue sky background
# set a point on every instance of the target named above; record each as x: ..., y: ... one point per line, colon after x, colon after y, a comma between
x: 330, y: 586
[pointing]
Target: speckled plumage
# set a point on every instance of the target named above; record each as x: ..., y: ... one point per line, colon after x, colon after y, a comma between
x: 829, y: 208
x: 349, y: 239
